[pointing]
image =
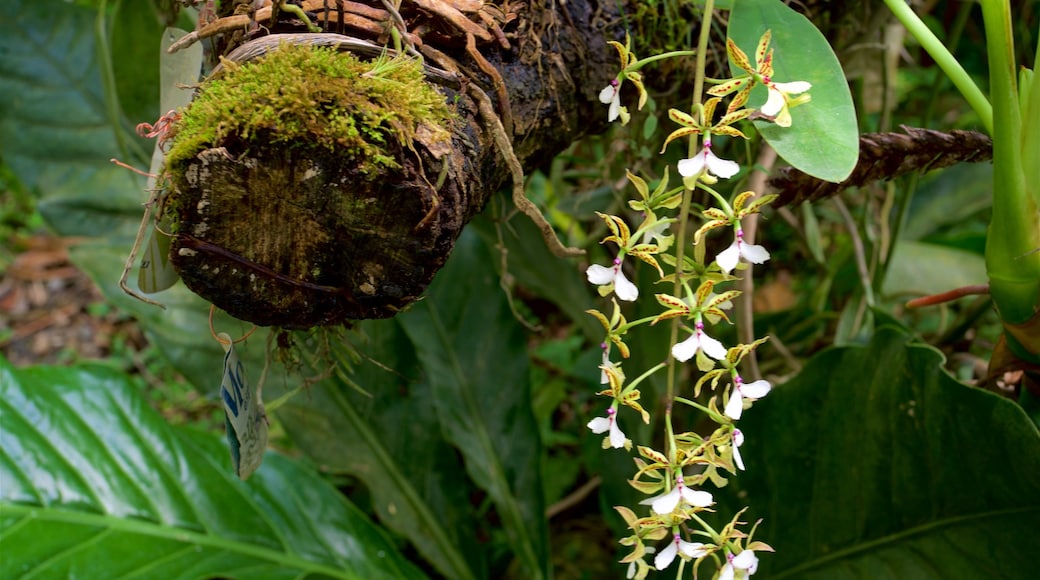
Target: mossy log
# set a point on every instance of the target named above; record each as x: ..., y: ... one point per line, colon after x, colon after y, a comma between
x: 276, y: 227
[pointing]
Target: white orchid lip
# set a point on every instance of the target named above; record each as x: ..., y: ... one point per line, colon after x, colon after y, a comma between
x: 699, y: 340
x: 728, y: 258
x: 611, y: 95
x: 722, y: 168
x: 602, y: 276
x: 753, y: 390
x: 609, y: 425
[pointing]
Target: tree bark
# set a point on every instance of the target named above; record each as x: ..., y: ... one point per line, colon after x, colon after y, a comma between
x: 255, y: 232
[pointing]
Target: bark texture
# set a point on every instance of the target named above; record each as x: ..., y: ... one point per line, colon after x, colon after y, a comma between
x: 285, y: 236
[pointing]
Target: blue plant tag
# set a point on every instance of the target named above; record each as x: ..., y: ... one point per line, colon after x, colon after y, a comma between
x: 244, y: 415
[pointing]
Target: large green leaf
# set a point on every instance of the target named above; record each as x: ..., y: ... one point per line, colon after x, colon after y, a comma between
x: 95, y: 484
x: 58, y: 126
x: 474, y: 356
x: 920, y: 269
x: 417, y: 484
x: 874, y: 463
x: 388, y: 438
x: 823, y: 139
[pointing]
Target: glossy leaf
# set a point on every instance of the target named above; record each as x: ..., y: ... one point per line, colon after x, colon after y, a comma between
x: 58, y: 127
x: 823, y: 140
x: 474, y: 355
x: 874, y: 463
x: 389, y: 440
x: 97, y: 485
x: 919, y: 269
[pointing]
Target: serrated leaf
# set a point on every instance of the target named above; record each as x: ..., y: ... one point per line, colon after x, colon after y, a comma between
x: 97, y: 485
x: 823, y: 140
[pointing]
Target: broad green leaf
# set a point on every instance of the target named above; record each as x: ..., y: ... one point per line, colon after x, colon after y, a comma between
x: 58, y: 128
x: 920, y: 269
x: 823, y: 139
x: 418, y: 487
x: 474, y: 355
x: 97, y: 485
x: 874, y: 463
x: 389, y: 440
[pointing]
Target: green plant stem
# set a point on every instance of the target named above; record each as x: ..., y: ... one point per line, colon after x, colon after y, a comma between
x: 695, y: 405
x: 1012, y: 265
x: 644, y: 376
x: 945, y: 60
x: 645, y: 61
x: 716, y: 538
x: 684, y: 217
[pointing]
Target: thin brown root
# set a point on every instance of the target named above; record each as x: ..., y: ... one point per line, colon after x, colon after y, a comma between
x: 503, y: 282
x: 497, y: 82
x: 133, y: 252
x: 523, y: 204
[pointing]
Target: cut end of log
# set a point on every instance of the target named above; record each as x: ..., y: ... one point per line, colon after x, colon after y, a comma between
x: 338, y: 207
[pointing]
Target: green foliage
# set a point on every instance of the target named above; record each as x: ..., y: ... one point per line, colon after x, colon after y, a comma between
x: 98, y: 485
x: 823, y: 140
x: 872, y: 459
x: 892, y: 470
x: 316, y: 95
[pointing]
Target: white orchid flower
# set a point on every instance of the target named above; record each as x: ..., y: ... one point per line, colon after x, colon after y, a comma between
x: 675, y: 547
x: 667, y: 502
x: 728, y: 258
x: 705, y: 160
x: 738, y: 440
x: 611, y: 95
x: 779, y: 102
x: 602, y: 276
x: 699, y: 340
x: 753, y: 390
x: 739, y: 567
x: 609, y: 423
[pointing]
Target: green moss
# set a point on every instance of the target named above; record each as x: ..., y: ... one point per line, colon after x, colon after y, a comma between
x: 313, y: 97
